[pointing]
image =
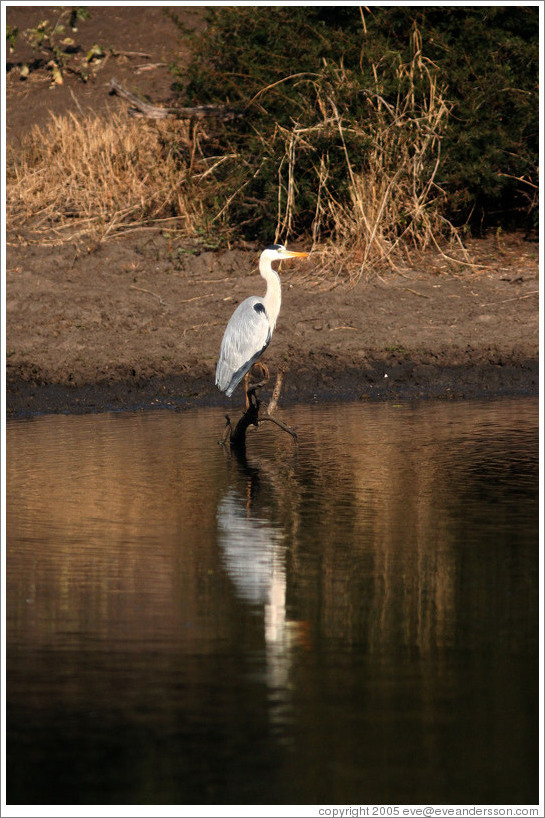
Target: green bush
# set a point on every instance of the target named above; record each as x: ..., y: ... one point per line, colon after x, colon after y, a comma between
x: 489, y: 58
x: 325, y: 92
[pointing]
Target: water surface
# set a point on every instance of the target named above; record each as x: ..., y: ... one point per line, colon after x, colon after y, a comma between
x: 349, y: 620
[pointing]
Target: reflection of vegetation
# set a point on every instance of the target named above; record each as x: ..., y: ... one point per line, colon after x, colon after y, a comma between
x: 373, y: 508
x: 447, y: 97
x: 403, y: 549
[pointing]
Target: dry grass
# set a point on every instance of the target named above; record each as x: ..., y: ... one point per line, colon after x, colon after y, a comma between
x: 395, y: 206
x: 93, y: 176
x: 97, y: 177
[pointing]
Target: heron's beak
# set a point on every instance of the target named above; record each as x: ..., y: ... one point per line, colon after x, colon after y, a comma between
x: 293, y: 254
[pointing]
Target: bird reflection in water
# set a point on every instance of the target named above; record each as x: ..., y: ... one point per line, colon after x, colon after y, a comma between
x: 254, y: 555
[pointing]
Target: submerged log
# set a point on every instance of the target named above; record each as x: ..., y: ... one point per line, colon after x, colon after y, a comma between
x: 237, y: 436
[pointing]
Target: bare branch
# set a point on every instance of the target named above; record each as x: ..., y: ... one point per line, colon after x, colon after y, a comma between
x: 276, y: 392
x: 237, y: 436
x: 283, y: 426
x: 144, y: 109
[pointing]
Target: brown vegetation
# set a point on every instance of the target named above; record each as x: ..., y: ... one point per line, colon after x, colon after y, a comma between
x: 111, y: 282
x: 394, y: 208
x: 86, y: 177
x: 94, y: 177
x: 91, y: 178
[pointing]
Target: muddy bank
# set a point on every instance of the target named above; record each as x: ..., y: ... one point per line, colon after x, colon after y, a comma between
x: 138, y: 323
x: 382, y: 380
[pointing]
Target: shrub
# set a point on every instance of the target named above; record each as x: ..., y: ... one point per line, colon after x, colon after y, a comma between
x: 337, y: 101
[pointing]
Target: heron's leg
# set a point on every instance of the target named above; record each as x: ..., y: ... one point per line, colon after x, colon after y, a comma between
x: 262, y: 371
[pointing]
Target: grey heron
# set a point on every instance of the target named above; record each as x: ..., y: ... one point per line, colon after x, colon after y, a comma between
x: 251, y: 326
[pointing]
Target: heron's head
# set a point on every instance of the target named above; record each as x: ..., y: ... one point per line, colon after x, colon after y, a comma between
x: 276, y: 252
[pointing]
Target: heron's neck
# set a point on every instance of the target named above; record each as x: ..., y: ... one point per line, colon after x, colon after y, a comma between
x: 273, y: 296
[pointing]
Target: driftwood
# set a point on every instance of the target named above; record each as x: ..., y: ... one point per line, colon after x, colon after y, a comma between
x: 144, y: 109
x: 237, y: 436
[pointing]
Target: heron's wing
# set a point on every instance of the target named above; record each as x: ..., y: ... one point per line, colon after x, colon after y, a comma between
x: 246, y: 337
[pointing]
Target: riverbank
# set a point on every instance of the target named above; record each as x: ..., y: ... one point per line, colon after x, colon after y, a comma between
x: 25, y: 399
x: 136, y: 323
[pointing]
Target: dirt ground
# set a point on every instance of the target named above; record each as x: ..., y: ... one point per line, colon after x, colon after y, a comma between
x: 137, y: 321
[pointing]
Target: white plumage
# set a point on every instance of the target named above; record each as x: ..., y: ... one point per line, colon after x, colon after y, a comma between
x: 251, y: 326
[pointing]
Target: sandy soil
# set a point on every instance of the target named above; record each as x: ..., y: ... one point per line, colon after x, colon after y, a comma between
x: 138, y: 322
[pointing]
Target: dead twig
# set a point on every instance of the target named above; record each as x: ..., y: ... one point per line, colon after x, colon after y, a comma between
x: 276, y: 393
x: 283, y: 426
x: 145, y: 109
x: 149, y: 292
x: 149, y: 67
x: 227, y: 431
x: 196, y: 327
x: 237, y: 436
x: 131, y: 54
x: 196, y: 298
x: 505, y: 300
x: 415, y: 292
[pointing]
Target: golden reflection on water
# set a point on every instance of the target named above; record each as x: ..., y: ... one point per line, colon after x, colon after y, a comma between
x: 113, y: 521
x: 138, y: 533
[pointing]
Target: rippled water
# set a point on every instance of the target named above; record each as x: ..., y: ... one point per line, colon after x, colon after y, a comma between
x: 349, y: 620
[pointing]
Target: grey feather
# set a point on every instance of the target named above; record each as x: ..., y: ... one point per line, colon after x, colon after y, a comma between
x: 246, y: 337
